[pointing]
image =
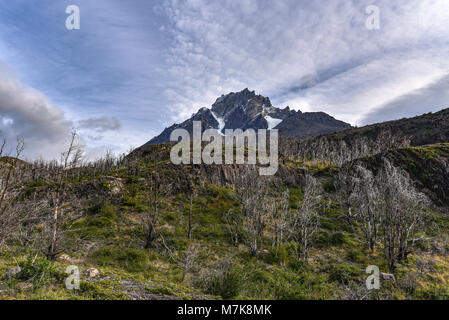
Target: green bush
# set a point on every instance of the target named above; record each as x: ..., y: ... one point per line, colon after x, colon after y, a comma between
x: 343, y: 273
x: 100, y: 291
x: 438, y: 292
x: 356, y: 255
x: 298, y: 266
x: 227, y: 284
x: 295, y: 197
x: 130, y: 259
x: 329, y: 186
x: 338, y: 238
x: 325, y: 239
x: 305, y: 286
x: 162, y: 291
x: 38, y: 271
x: 277, y: 255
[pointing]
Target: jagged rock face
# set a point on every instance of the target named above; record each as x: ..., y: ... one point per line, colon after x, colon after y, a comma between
x: 243, y: 110
x: 246, y: 110
x: 208, y: 121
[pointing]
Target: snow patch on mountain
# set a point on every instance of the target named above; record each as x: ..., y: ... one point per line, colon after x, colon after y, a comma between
x: 221, y: 122
x: 272, y: 122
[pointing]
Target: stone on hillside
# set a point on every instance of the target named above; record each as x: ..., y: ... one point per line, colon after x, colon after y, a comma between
x: 115, y: 184
x: 65, y: 257
x: 25, y: 286
x: 10, y: 273
x: 387, y: 277
x: 92, y: 273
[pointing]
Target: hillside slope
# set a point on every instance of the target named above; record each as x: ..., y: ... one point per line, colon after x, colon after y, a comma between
x: 355, y: 143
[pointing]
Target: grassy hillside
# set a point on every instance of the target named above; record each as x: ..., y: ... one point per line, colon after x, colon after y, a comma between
x: 106, y: 233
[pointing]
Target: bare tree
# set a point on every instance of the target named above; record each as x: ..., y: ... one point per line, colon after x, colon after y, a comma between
x: 365, y: 201
x: 234, y: 222
x: 186, y: 261
x: 156, y: 190
x: 69, y: 159
x: 252, y: 189
x: 305, y: 220
x: 192, y: 194
x: 339, y: 151
x: 403, y: 212
x: 9, y: 216
x: 279, y: 215
x: 345, y: 185
x: 189, y: 224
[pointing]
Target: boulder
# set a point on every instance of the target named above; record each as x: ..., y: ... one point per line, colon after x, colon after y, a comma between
x: 387, y: 277
x: 92, y: 273
x: 115, y: 184
x: 10, y: 273
x: 25, y: 286
x: 65, y: 257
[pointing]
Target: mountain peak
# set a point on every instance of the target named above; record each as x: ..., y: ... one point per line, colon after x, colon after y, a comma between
x: 245, y: 100
x: 248, y: 110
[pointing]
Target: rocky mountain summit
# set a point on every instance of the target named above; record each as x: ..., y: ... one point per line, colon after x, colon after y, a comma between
x: 246, y: 110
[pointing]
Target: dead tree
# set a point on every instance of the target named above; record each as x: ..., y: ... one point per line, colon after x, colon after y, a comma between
x: 156, y: 190
x: 252, y: 193
x: 69, y: 159
x: 185, y: 261
x: 403, y: 212
x: 364, y: 200
x: 305, y: 220
x: 345, y: 185
x: 234, y: 222
x: 279, y: 215
x: 189, y: 223
x: 192, y: 193
x: 9, y: 217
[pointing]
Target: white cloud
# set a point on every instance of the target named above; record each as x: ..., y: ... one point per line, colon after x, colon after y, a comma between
x: 27, y: 113
x: 431, y: 98
x: 314, y: 55
x: 100, y: 124
x: 360, y: 91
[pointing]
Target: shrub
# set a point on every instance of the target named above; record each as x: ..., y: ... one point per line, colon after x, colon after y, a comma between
x: 329, y: 186
x: 227, y: 284
x: 279, y: 254
x: 343, y: 273
x: 338, y: 239
x: 306, y: 286
x: 299, y: 266
x: 162, y: 291
x: 356, y: 255
x: 38, y: 271
x: 130, y: 259
x: 100, y: 291
x: 295, y: 197
x: 438, y: 292
x: 326, y: 239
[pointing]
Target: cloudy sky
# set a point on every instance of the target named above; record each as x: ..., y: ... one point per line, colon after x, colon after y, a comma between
x: 137, y: 66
